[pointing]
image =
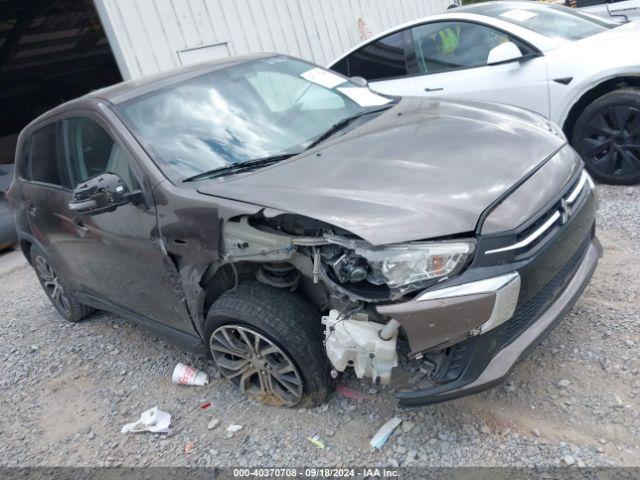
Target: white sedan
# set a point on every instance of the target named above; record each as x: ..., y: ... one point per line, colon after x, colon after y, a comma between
x: 580, y: 71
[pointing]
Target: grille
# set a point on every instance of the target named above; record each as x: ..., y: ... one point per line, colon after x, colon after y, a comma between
x: 460, y: 354
x: 557, y: 215
x: 527, y: 313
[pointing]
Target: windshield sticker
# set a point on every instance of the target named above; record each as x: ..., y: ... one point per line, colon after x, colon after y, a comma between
x: 519, y: 15
x: 363, y: 96
x: 323, y: 77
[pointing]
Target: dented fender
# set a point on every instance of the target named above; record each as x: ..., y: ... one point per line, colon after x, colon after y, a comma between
x: 189, y: 232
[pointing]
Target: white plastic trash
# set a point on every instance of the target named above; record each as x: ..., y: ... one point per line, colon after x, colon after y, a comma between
x: 382, y: 435
x: 186, y: 375
x: 152, y: 420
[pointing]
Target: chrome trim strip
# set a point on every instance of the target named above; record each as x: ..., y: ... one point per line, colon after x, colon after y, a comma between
x: 505, y: 306
x: 505, y: 287
x: 576, y: 191
x: 569, y: 199
x: 488, y: 285
x: 523, y: 243
x: 592, y: 185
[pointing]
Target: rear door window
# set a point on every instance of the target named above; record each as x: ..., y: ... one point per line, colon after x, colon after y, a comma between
x: 46, y: 162
x: 382, y: 59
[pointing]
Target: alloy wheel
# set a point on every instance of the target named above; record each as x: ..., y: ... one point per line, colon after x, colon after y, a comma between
x: 260, y: 368
x: 51, y: 284
x: 610, y: 143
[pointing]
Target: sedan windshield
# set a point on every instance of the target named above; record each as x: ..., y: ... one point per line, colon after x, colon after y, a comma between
x: 553, y: 21
x: 264, y: 109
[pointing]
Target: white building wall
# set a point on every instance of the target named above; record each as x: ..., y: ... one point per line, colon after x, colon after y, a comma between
x: 148, y: 36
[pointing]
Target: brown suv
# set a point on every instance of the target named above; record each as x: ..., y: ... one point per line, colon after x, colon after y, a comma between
x: 293, y: 224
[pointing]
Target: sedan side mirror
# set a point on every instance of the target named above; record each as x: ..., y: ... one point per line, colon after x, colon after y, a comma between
x: 360, y: 81
x: 505, y: 52
x: 102, y: 193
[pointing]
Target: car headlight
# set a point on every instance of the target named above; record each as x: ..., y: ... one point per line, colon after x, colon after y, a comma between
x: 413, y: 263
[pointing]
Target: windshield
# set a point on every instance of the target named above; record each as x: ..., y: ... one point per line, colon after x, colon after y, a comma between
x: 550, y: 20
x: 255, y: 110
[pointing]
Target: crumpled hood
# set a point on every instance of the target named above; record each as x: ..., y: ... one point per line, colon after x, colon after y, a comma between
x: 423, y: 169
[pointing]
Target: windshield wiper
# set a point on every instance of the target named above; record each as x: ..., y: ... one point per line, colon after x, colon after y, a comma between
x: 336, y: 127
x: 241, y: 167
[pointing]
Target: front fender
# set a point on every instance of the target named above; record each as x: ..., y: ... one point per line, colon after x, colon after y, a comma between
x: 560, y: 112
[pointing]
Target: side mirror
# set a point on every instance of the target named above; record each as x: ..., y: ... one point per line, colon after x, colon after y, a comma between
x: 505, y: 52
x: 360, y: 81
x: 102, y: 193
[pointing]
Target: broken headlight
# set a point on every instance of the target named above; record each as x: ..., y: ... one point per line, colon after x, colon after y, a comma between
x: 401, y: 265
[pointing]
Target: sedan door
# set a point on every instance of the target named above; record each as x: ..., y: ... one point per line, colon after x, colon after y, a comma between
x: 451, y: 59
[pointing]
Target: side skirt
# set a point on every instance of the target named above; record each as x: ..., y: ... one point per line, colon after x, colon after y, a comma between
x: 184, y: 340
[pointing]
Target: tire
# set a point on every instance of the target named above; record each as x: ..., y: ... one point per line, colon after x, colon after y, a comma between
x: 57, y: 288
x: 607, y: 136
x: 289, y: 337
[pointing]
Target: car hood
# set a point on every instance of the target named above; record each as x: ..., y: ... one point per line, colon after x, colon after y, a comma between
x: 612, y: 48
x: 422, y: 169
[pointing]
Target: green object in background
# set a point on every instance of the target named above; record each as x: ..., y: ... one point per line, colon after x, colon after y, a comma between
x: 448, y: 39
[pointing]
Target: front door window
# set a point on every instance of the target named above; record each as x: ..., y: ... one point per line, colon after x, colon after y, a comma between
x: 92, y: 151
x: 444, y: 46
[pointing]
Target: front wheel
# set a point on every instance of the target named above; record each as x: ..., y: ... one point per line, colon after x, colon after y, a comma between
x: 607, y: 136
x: 268, y: 342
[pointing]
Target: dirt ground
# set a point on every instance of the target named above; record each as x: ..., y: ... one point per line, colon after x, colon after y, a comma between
x: 67, y: 389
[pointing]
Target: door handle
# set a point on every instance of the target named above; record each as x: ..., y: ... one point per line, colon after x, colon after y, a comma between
x: 32, y: 209
x: 433, y: 89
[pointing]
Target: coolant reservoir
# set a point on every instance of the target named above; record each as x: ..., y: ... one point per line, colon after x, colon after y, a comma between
x: 357, y: 343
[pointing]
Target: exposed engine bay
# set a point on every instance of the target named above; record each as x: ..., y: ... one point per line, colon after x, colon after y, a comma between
x: 344, y: 275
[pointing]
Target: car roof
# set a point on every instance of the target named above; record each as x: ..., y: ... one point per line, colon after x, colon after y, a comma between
x: 479, y: 8
x: 132, y: 88
x: 123, y: 91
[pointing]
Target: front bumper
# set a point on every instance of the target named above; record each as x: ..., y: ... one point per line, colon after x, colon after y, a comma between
x: 476, y: 326
x: 482, y: 370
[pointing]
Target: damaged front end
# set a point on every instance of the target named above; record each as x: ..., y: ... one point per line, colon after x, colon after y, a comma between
x: 347, y: 276
x: 470, y: 307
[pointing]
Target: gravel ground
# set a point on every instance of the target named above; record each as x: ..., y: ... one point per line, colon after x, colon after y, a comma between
x: 67, y: 389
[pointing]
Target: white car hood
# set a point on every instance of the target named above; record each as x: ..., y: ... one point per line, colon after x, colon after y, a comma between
x: 611, y: 49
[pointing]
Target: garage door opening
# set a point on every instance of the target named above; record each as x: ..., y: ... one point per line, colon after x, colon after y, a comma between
x: 50, y: 51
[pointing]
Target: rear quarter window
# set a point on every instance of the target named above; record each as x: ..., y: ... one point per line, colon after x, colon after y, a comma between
x: 342, y: 66
x: 382, y: 59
